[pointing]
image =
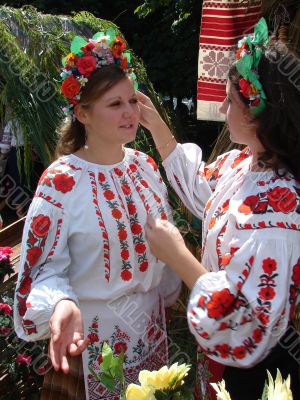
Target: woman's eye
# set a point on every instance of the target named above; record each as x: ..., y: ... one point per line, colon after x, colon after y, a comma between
x: 115, y: 104
x: 133, y: 101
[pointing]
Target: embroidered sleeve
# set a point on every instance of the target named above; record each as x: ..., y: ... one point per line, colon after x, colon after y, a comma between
x: 238, y: 314
x: 43, y: 272
x: 193, y: 180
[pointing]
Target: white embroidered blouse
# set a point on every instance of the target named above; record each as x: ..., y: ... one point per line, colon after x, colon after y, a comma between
x: 251, y: 246
x: 84, y: 238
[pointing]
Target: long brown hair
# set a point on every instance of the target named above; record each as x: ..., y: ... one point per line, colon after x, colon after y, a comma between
x: 72, y: 133
x: 279, y: 124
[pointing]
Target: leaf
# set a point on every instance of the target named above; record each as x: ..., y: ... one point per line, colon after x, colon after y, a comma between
x: 112, y: 34
x: 76, y: 45
x: 244, y: 66
x: 107, y: 356
x: 98, y: 35
x: 108, y: 381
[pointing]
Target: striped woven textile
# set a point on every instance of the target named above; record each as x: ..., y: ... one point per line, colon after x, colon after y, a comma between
x: 223, y: 23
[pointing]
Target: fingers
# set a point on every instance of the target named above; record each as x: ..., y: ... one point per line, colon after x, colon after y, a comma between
x: 142, y: 97
x: 75, y: 349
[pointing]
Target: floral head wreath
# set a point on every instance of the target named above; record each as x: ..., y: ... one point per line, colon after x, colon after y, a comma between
x: 250, y: 50
x: 86, y: 57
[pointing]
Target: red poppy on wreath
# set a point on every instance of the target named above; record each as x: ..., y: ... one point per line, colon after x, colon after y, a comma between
x: 223, y: 350
x: 117, y: 214
x: 93, y: 337
x: 140, y: 248
x: 25, y: 285
x: 269, y: 265
x: 282, y: 199
x: 122, y: 234
x: 124, y: 254
x: 120, y: 347
x: 136, y: 229
x: 101, y: 177
x: 63, y: 183
x: 257, y: 335
x: 243, y: 49
x: 87, y: 49
x: 144, y: 266
x: 244, y: 87
x: 296, y: 274
x: 266, y: 293
x: 70, y: 87
x: 126, y: 275
x: 152, y: 162
x: 221, y: 304
x: 40, y: 225
x: 117, y: 47
x: 109, y: 195
x: 33, y: 255
x: 239, y: 352
x: 86, y: 65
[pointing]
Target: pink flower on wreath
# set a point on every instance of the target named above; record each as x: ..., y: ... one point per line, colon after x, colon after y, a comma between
x: 22, y: 359
x: 5, y: 253
x: 6, y: 308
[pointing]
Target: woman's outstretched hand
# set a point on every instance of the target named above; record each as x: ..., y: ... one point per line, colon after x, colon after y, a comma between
x: 66, y: 328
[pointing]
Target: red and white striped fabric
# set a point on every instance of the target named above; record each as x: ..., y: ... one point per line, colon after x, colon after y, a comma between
x: 223, y: 23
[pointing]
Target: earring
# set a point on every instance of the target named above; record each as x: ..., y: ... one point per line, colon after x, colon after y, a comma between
x: 85, y: 145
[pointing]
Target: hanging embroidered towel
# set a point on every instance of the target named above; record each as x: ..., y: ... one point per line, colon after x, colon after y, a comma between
x: 223, y: 23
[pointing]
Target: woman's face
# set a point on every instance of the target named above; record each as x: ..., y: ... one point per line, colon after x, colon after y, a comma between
x: 242, y: 129
x: 114, y: 117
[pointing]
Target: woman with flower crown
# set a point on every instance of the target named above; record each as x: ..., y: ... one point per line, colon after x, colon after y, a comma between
x: 86, y: 273
x: 244, y: 292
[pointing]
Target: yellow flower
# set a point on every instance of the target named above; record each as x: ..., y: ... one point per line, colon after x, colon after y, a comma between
x: 222, y: 393
x: 280, y: 390
x: 164, y: 378
x: 135, y: 392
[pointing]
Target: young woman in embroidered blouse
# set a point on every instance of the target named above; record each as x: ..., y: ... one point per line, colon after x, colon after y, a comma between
x: 86, y: 269
x: 244, y: 292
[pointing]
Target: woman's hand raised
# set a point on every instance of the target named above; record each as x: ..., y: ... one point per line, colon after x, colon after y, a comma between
x: 66, y: 328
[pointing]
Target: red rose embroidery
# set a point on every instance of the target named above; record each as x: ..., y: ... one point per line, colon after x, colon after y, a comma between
x: 239, y: 159
x: 269, y: 265
x: 267, y: 293
x: 40, y: 225
x: 63, y: 183
x: 282, y: 199
x: 122, y: 234
x: 163, y: 215
x: 136, y: 229
x: 133, y: 167
x: 93, y: 337
x: 223, y: 349
x: 109, y: 195
x: 124, y: 254
x: 33, y: 255
x: 126, y: 189
x: 257, y: 335
x: 86, y: 65
x: 101, y: 177
x: 126, y: 275
x: 25, y: 285
x: 239, y: 352
x: 144, y: 183
x: 152, y: 162
x: 140, y: 248
x: 131, y: 208
x: 70, y: 87
x: 249, y: 205
x: 157, y: 198
x: 221, y: 304
x: 144, y: 266
x: 264, y: 319
x: 95, y: 325
x: 118, y: 172
x: 120, y: 347
x: 21, y: 306
x: 116, y: 213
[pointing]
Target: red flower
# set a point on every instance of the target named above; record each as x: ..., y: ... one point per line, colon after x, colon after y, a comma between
x: 144, y: 266
x: 40, y: 225
x: 144, y: 183
x: 21, y: 306
x: 117, y: 47
x: 140, y: 248
x: 120, y: 347
x: 93, y: 337
x: 249, y: 205
x: 157, y: 198
x: 124, y: 63
x: 95, y: 325
x: 221, y: 304
x: 133, y: 167
x: 122, y: 234
x: 264, y: 319
x: 255, y: 102
x: 118, y: 172
x: 6, y: 308
x: 152, y: 162
x: 257, y: 335
x: 267, y: 293
x: 25, y: 285
x: 29, y: 327
x: 88, y: 48
x: 244, y: 87
x: 126, y: 189
x: 296, y: 274
x: 124, y: 254
x: 223, y: 326
x: 131, y: 208
x: 63, y: 183
x: 163, y: 215
x: 22, y: 359
x: 116, y: 213
x: 239, y: 159
x: 239, y: 352
x: 109, y: 195
x: 269, y: 265
x: 126, y: 275
x: 70, y: 87
x: 223, y: 349
x: 282, y: 199
x: 136, y: 229
x: 101, y: 177
x: 86, y: 65
x: 33, y: 255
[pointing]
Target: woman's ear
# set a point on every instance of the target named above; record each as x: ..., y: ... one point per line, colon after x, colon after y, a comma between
x: 81, y: 114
